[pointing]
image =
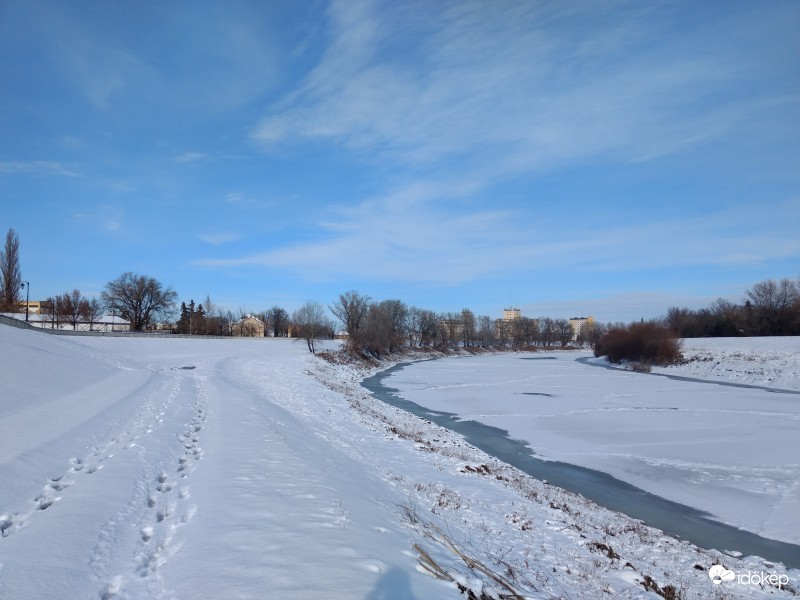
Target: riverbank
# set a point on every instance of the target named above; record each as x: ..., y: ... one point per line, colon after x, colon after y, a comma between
x: 533, y: 529
x: 767, y: 361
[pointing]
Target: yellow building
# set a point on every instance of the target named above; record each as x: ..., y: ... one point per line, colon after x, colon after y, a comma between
x: 581, y: 326
x: 249, y: 326
x: 34, y: 306
x: 504, y: 327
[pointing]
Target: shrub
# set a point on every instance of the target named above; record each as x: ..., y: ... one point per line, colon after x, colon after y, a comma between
x: 642, y: 342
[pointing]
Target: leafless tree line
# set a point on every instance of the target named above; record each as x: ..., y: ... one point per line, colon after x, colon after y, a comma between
x: 381, y: 327
x: 72, y: 308
x: 769, y: 308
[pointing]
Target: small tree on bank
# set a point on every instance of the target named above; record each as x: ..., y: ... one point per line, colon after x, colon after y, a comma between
x: 310, y: 322
x: 351, y: 309
x: 139, y: 299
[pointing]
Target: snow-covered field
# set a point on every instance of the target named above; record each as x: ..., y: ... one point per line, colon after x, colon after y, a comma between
x: 185, y: 468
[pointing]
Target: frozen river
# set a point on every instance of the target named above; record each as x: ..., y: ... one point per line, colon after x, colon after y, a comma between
x: 646, y: 445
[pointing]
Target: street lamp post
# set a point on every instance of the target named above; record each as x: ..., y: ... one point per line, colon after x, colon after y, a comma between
x: 27, y: 286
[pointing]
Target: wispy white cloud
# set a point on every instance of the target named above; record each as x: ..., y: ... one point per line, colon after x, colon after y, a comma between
x: 220, y: 238
x: 190, y: 157
x: 185, y: 60
x: 109, y: 218
x: 37, y: 167
x: 510, y: 87
x: 235, y: 198
x: 404, y: 237
x: 467, y: 94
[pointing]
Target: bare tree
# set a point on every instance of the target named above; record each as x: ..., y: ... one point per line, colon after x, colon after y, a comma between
x: 467, y: 327
x: 94, y: 311
x: 351, y: 309
x: 278, y: 320
x: 53, y: 310
x: 396, y: 313
x: 564, y: 331
x: 139, y: 299
x: 725, y: 319
x: 547, y: 331
x: 215, y: 322
x: 414, y: 331
x: 311, y: 323
x: 385, y: 328
x: 230, y: 320
x: 10, y: 276
x: 454, y: 325
x: 428, y: 327
x: 518, y: 332
x: 524, y: 331
x: 774, y: 306
x: 74, y: 307
x: 486, y: 331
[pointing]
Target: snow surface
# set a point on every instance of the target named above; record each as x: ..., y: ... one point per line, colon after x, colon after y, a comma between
x: 768, y: 361
x: 731, y: 452
x: 191, y: 468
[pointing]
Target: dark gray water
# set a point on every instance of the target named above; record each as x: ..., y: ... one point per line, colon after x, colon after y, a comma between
x: 673, y: 518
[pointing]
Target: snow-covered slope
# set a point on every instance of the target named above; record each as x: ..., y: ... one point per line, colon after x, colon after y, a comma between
x: 139, y: 468
x: 184, y: 468
x: 768, y: 361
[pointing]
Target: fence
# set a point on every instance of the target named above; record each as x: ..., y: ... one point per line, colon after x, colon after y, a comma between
x: 18, y: 323
x: 15, y: 323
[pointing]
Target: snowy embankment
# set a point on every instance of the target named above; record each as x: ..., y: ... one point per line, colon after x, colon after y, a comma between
x: 183, y: 468
x: 769, y: 361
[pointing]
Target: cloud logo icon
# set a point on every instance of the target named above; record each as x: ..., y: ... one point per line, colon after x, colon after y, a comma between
x: 718, y: 574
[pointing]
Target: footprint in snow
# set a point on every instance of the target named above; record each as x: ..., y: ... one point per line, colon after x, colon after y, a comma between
x: 112, y: 588
x: 45, y: 502
x: 58, y: 484
x: 6, y: 522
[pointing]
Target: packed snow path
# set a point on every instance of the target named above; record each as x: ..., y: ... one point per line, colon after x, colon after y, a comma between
x: 129, y: 474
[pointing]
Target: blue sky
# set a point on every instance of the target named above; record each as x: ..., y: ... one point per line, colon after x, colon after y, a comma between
x: 611, y: 159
